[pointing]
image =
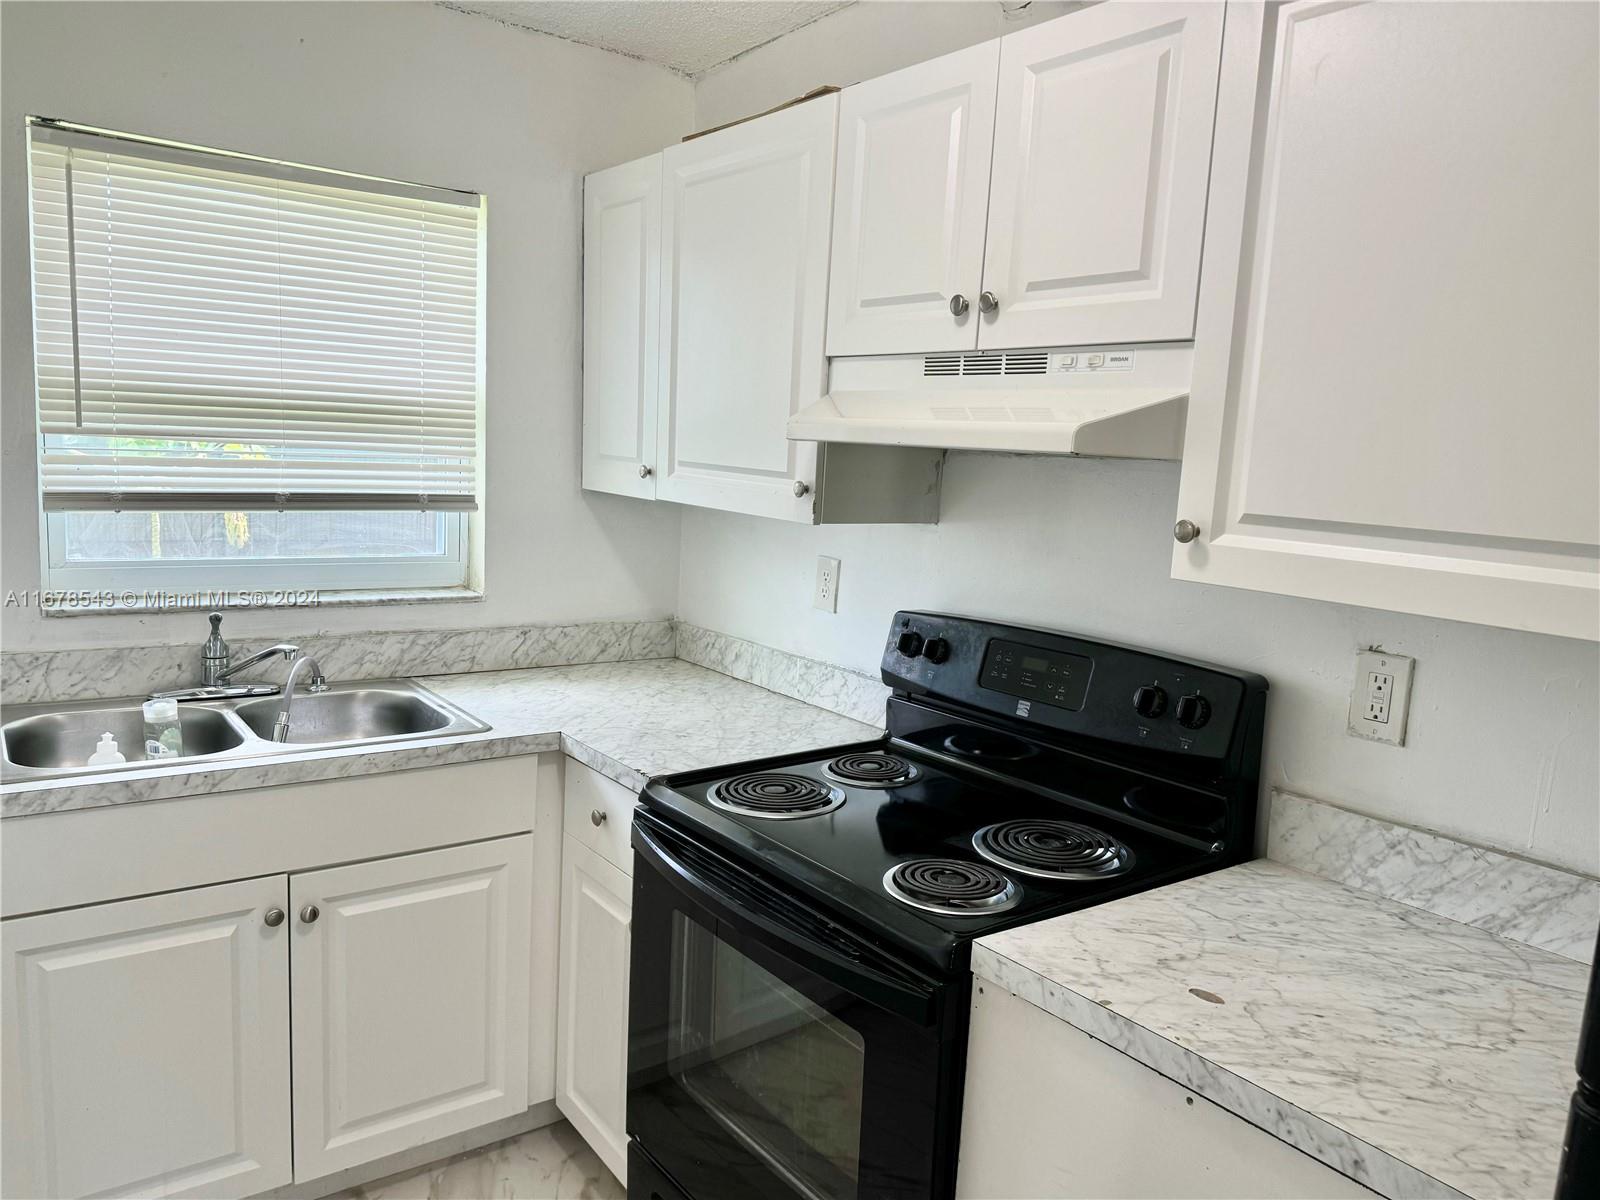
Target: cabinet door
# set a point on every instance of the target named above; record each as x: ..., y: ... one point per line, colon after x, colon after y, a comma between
x: 1396, y: 367
x: 147, y: 1046
x: 410, y: 1000
x: 909, y: 206
x: 744, y: 300
x: 592, y: 1038
x: 1098, y: 195
x: 621, y: 324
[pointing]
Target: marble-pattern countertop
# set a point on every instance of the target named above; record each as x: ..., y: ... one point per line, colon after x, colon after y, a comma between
x: 1417, y: 1055
x: 627, y: 720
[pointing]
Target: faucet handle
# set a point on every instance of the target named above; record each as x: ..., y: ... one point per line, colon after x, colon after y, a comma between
x: 215, y: 648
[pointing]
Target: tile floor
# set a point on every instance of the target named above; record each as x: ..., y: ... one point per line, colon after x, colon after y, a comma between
x: 552, y: 1163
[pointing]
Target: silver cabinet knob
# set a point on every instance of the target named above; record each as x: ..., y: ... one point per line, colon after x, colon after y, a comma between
x: 274, y: 918
x: 645, y: 472
x: 988, y: 302
x: 597, y: 817
x: 310, y: 913
x: 1186, y: 531
x: 801, y: 487
x: 958, y: 305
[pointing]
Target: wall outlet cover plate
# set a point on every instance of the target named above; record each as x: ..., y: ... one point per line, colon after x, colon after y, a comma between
x: 1380, y: 697
x: 825, y: 595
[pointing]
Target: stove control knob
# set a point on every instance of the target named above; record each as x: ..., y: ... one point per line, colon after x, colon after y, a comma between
x: 936, y: 650
x: 1150, y: 701
x: 1193, y: 711
x: 910, y: 643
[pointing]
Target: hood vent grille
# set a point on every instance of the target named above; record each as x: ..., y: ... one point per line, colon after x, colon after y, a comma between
x: 1010, y: 362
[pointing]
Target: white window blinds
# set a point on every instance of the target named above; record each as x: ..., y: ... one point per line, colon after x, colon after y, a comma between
x: 218, y: 332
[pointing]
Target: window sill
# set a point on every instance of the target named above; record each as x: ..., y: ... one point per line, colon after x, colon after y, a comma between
x: 141, y: 603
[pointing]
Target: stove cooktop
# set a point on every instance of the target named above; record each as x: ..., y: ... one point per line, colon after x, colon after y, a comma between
x: 881, y: 853
x: 1024, y: 774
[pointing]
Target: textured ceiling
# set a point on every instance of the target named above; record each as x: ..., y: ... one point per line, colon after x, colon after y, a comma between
x: 689, y: 36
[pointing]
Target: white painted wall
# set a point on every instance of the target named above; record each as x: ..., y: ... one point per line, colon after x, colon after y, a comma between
x: 1503, y: 738
x: 411, y: 91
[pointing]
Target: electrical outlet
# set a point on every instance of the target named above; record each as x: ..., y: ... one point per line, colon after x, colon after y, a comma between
x: 1381, y: 697
x: 826, y: 594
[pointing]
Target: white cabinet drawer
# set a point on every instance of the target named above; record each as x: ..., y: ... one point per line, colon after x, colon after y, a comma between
x: 599, y: 814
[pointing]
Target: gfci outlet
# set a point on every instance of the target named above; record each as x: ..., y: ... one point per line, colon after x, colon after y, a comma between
x: 826, y: 594
x: 1381, y: 697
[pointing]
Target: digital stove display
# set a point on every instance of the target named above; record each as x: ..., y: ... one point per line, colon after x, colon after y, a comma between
x: 1048, y: 676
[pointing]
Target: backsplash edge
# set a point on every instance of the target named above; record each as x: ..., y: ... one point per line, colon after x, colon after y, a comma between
x: 104, y: 672
x: 1539, y: 905
x: 825, y: 685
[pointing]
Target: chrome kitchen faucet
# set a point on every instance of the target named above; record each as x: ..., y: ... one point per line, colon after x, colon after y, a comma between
x: 217, y: 668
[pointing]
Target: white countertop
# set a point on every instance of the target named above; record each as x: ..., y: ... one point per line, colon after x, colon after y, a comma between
x: 627, y: 720
x: 1419, y: 1056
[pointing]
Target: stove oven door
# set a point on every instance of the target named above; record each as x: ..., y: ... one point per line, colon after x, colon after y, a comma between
x: 773, y: 1053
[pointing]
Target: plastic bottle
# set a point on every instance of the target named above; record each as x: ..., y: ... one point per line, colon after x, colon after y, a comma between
x: 106, y: 752
x: 163, y: 732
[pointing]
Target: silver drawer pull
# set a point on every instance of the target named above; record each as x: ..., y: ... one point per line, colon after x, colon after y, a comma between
x: 597, y: 817
x: 274, y: 918
x: 310, y: 913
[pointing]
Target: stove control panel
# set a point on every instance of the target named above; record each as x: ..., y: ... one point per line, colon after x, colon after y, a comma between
x: 1050, y: 676
x: 1094, y: 689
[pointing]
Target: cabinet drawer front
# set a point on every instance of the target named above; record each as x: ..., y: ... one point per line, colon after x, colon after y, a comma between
x: 909, y: 206
x: 587, y: 792
x: 621, y: 322
x: 410, y: 1000
x: 592, y: 1035
x: 1102, y: 150
x: 147, y: 1046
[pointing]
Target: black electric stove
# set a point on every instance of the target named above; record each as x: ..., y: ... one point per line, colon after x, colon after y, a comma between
x: 803, y: 924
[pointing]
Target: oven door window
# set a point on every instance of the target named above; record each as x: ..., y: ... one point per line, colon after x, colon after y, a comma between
x: 782, y: 1075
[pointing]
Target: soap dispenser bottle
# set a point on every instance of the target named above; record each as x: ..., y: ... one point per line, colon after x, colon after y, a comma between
x: 106, y: 753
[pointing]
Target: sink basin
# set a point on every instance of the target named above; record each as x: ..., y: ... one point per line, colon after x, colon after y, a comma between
x: 49, y: 741
x: 353, y: 714
x: 66, y: 739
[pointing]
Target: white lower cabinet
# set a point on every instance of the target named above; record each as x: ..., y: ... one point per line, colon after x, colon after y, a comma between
x: 596, y: 915
x: 147, y: 1046
x: 592, y: 1037
x: 410, y: 1000
x: 147, y: 1042
x: 1030, y: 1075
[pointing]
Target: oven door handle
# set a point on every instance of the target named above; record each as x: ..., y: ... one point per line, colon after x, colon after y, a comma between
x: 756, y: 916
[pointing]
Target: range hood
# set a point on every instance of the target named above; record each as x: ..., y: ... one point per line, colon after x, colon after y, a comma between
x: 1107, y: 401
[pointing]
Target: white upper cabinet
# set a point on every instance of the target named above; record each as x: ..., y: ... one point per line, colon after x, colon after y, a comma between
x: 147, y: 1046
x: 410, y: 1004
x: 621, y: 321
x: 910, y: 205
x: 746, y: 214
x: 1396, y: 369
x: 1101, y: 151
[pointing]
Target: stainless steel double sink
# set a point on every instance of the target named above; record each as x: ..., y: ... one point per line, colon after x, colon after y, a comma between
x: 50, y: 741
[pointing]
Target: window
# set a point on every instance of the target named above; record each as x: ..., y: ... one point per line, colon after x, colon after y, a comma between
x: 251, y: 375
